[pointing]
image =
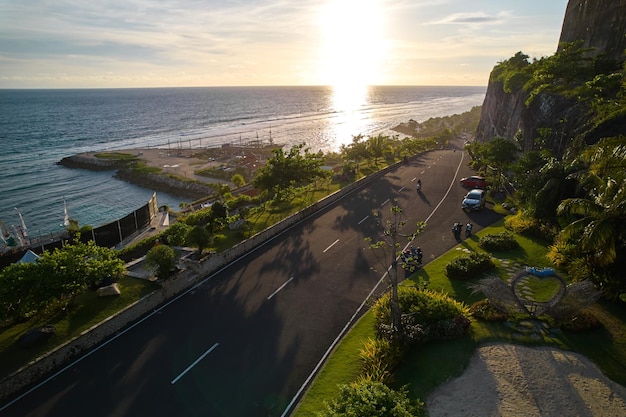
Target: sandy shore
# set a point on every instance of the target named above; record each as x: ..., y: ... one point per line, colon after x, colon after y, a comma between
x: 504, y: 380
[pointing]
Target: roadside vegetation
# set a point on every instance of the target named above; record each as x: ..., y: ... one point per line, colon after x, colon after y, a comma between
x: 60, y: 289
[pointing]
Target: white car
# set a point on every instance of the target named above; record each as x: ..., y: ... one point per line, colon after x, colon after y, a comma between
x: 474, y: 200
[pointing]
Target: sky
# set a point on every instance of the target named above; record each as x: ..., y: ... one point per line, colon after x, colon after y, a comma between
x: 171, y: 43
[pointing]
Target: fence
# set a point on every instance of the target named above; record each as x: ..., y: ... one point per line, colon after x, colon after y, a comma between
x: 108, y: 235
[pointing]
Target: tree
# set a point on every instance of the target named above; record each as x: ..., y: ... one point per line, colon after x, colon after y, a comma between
x: 285, y: 170
x: 177, y: 233
x: 218, y: 215
x: 20, y: 291
x: 56, y: 278
x: 377, y: 146
x: 200, y: 237
x: 355, y: 151
x: 238, y: 180
x: 372, y: 399
x: 600, y: 218
x: 77, y: 266
x: 162, y: 258
x: 500, y: 154
x: 379, y: 248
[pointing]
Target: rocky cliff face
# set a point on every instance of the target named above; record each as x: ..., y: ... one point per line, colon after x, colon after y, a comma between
x: 600, y: 24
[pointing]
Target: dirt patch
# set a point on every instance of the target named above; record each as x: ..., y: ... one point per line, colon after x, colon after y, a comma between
x: 516, y: 381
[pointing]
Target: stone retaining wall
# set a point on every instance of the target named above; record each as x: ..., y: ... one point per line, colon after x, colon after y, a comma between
x: 195, y: 273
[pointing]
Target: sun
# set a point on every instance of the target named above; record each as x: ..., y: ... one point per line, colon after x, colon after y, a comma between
x: 353, y: 42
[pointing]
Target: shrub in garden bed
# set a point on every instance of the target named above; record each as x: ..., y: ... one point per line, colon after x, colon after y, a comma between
x: 426, y: 315
x: 583, y: 321
x: 498, y: 242
x: 485, y: 311
x: 470, y: 266
x: 379, y: 357
x: 372, y: 399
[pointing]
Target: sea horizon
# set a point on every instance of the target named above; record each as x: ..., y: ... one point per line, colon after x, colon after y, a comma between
x: 40, y: 126
x: 235, y: 86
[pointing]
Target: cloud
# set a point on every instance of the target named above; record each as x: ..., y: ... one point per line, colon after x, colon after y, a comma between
x: 213, y: 42
x: 473, y: 18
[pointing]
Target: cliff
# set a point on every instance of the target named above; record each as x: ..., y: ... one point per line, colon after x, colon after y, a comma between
x: 600, y: 24
x: 516, y: 109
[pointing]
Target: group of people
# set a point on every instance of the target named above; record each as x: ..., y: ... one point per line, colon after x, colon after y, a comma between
x: 458, y: 227
x: 413, y: 255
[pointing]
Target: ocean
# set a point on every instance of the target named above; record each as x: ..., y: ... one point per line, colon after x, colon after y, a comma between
x: 40, y: 127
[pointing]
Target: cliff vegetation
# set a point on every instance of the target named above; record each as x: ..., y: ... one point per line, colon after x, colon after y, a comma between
x: 552, y: 136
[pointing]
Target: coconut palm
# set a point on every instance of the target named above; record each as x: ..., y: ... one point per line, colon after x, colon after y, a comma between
x: 600, y: 219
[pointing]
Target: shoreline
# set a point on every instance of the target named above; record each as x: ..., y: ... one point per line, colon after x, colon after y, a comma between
x: 177, y: 168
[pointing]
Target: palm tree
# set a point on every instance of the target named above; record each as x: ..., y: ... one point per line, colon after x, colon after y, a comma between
x: 600, y: 219
x: 599, y: 228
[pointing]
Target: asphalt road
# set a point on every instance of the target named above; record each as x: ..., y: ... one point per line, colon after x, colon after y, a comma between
x: 244, y: 341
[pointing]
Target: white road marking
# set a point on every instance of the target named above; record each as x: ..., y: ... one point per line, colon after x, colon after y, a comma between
x: 194, y: 363
x: 401, y: 189
x: 364, y: 218
x: 384, y: 202
x: 280, y: 288
x: 331, y: 245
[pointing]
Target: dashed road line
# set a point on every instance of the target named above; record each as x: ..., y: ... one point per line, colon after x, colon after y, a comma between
x: 280, y: 288
x: 331, y: 245
x: 194, y: 363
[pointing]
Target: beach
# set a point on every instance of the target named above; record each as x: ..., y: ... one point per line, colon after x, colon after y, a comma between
x: 504, y: 380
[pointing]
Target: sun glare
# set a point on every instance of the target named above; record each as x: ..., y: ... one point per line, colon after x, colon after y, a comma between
x: 353, y: 43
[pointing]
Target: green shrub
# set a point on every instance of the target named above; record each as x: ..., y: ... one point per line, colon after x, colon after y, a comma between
x: 484, y: 310
x: 372, y: 399
x: 498, y: 242
x: 379, y: 357
x: 581, y: 322
x: 163, y: 259
x: 426, y: 315
x: 526, y: 225
x: 468, y: 267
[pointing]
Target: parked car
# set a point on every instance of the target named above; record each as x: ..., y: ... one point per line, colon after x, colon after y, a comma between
x: 474, y: 181
x: 474, y: 200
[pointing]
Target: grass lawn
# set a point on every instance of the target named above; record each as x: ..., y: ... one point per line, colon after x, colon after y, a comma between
x: 429, y: 365
x: 88, y: 310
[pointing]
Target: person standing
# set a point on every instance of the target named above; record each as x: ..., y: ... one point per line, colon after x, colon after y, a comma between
x: 468, y: 229
x: 456, y: 230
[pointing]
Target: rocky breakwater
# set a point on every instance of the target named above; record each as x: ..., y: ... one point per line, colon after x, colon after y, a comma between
x: 162, y: 182
x: 141, y: 171
x: 91, y: 162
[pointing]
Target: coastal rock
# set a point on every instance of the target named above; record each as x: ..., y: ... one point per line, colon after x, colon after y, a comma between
x: 109, y: 290
x: 166, y: 184
x: 36, y: 336
x: 89, y: 162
